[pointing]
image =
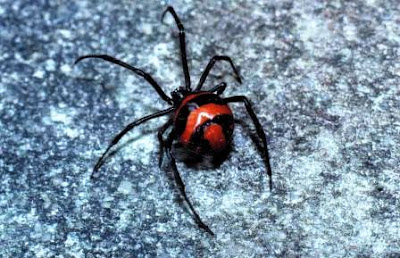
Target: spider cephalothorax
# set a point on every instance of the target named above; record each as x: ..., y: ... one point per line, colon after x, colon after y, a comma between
x: 201, y: 121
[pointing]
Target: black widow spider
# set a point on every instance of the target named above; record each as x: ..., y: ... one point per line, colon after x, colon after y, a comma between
x: 202, y: 120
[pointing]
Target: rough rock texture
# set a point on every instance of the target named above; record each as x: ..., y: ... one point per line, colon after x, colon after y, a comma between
x: 324, y: 78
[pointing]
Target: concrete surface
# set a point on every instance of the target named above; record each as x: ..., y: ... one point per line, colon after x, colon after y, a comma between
x: 324, y: 78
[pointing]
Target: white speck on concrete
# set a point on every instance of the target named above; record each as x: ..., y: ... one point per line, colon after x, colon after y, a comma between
x: 67, y: 34
x: 39, y: 74
x: 349, y: 30
x: 57, y: 115
x: 146, y: 28
x: 66, y: 69
x: 125, y: 187
x: 72, y: 133
x: 327, y: 144
x: 50, y: 65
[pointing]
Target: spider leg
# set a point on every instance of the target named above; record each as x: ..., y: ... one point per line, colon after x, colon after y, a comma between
x: 171, y: 10
x: 160, y: 133
x: 124, y: 131
x: 259, y: 129
x: 180, y: 184
x: 137, y: 71
x: 219, y: 88
x: 210, y: 66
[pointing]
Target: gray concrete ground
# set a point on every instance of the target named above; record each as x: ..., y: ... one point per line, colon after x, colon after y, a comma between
x: 324, y: 80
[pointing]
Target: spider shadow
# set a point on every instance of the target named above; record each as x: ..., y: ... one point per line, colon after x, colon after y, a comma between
x: 257, y: 142
x: 253, y: 136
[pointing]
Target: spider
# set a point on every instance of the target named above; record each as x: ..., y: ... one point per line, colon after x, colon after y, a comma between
x: 202, y: 121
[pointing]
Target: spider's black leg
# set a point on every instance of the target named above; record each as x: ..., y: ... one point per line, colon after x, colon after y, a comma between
x: 160, y: 133
x: 180, y: 183
x: 182, y: 44
x: 137, y: 71
x: 259, y: 129
x: 123, y: 132
x: 218, y: 88
x: 211, y: 64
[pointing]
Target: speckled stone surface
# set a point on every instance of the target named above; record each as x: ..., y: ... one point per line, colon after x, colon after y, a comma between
x: 324, y: 78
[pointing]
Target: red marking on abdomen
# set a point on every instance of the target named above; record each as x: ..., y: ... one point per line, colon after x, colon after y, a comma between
x: 215, y: 136
x: 187, y: 100
x: 200, y: 115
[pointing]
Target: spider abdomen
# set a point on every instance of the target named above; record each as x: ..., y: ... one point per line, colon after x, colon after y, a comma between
x: 204, y: 123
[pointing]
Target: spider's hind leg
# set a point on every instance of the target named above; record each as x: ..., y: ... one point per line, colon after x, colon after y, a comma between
x: 259, y: 130
x: 180, y: 184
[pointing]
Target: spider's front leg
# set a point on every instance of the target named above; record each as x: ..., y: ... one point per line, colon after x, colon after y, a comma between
x: 211, y: 65
x: 182, y: 44
x: 135, y: 70
x: 219, y: 88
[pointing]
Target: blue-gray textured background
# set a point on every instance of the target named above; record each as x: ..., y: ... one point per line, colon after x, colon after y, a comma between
x: 324, y: 77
